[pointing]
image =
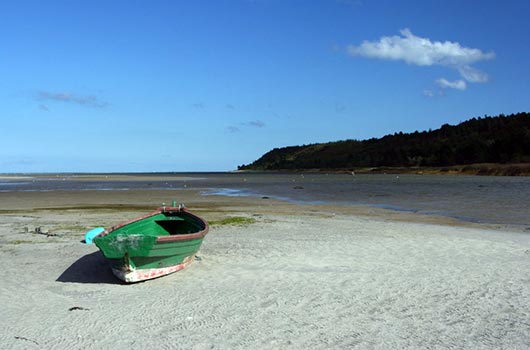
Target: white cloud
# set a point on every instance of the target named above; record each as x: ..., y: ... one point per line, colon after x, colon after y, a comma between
x: 473, y: 75
x: 458, y: 84
x: 420, y: 51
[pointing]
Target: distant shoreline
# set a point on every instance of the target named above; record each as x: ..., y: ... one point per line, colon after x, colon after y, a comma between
x: 482, y: 169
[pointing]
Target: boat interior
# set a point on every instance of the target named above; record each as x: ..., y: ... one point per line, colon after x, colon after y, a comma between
x: 163, y: 224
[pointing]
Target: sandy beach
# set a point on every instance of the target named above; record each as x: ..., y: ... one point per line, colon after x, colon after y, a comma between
x: 299, y: 277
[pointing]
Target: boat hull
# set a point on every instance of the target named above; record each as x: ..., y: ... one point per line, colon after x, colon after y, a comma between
x: 153, y: 245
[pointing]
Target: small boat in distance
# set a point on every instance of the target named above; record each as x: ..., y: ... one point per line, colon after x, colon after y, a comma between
x: 152, y: 245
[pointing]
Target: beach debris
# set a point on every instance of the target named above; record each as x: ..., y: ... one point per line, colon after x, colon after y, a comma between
x: 38, y: 231
x: 197, y: 258
x: 26, y: 339
x: 78, y: 308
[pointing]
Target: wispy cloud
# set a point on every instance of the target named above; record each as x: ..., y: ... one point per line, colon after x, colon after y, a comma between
x: 458, y: 84
x: 11, y: 162
x: 473, y: 75
x: 253, y: 124
x: 432, y: 94
x: 87, y: 101
x: 420, y: 51
x: 428, y: 93
x: 339, y: 107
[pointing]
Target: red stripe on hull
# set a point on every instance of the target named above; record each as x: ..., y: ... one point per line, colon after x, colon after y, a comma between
x: 138, y: 275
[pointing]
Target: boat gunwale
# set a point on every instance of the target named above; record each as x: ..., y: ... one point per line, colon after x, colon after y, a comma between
x: 164, y: 239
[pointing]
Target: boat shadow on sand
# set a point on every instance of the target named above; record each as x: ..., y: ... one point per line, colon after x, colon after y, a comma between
x: 91, y: 268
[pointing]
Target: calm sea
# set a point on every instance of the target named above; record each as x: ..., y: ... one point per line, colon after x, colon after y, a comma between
x: 484, y: 199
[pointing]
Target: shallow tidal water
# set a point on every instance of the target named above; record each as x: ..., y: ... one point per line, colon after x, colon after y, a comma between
x: 482, y: 199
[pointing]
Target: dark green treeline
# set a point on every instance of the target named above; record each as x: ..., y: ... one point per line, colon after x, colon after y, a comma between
x: 501, y: 139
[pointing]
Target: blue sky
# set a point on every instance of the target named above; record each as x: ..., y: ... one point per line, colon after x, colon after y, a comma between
x: 97, y: 86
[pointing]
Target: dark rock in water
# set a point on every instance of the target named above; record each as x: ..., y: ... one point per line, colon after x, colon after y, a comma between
x: 264, y: 197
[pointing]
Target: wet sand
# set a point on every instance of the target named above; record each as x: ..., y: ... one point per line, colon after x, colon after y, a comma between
x: 301, y: 276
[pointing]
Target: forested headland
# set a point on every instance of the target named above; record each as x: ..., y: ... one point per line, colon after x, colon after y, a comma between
x: 486, y: 145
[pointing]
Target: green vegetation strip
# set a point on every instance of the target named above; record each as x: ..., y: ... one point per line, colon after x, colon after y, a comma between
x: 20, y: 241
x: 233, y: 221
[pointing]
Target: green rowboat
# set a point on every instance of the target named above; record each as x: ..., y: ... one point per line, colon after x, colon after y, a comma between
x: 153, y: 245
